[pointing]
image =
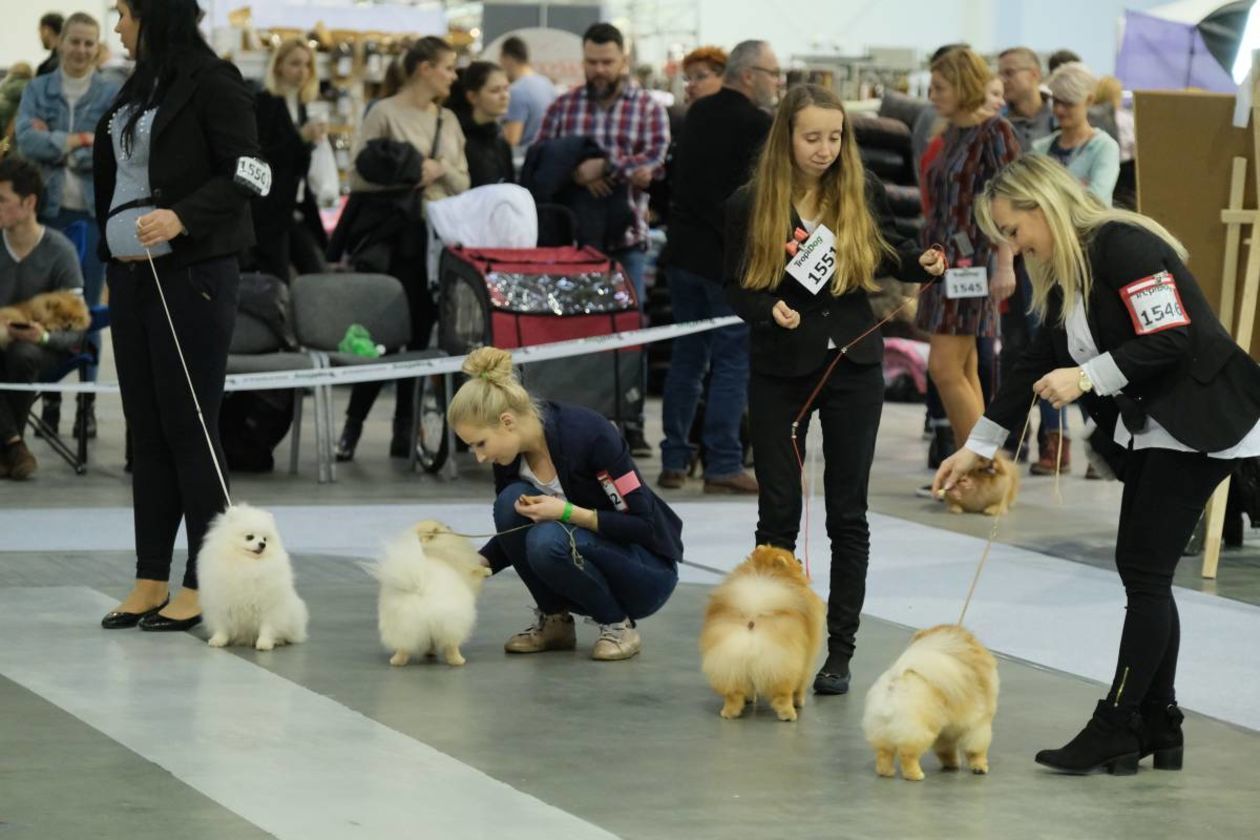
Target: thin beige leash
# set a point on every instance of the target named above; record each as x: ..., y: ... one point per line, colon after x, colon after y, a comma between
x: 997, y: 520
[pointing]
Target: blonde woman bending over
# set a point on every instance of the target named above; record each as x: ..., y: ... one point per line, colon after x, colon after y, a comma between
x: 1128, y: 332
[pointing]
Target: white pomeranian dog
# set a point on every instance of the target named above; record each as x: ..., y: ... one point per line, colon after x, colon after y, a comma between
x: 942, y: 694
x: 246, y: 582
x: 430, y: 579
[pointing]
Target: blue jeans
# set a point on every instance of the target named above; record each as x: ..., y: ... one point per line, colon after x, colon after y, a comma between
x: 93, y: 270
x: 634, y: 261
x: 724, y: 352
x: 607, y: 581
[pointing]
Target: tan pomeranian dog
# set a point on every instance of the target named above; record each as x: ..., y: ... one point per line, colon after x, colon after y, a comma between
x: 989, y: 490
x: 763, y: 631
x: 941, y: 693
x: 54, y: 311
x: 430, y: 579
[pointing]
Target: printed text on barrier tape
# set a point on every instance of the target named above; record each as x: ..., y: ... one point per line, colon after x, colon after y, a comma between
x: 310, y: 377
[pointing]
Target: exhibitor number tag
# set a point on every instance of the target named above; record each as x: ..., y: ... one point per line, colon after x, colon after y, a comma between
x: 815, y: 260
x: 1154, y: 304
x: 254, y: 175
x: 966, y: 283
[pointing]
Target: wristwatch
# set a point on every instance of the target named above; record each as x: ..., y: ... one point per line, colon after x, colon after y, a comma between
x: 1084, y: 382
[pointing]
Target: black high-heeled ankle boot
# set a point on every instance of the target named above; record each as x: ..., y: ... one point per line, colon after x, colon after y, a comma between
x: 1161, y: 734
x: 350, y: 434
x: 1110, y: 741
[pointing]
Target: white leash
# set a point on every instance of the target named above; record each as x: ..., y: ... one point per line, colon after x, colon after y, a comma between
x: 214, y: 457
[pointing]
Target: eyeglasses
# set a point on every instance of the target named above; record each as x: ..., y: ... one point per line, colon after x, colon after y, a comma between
x: 775, y: 71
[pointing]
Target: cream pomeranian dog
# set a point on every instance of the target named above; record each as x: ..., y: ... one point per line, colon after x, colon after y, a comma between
x: 430, y: 579
x: 762, y: 633
x: 941, y: 693
x: 246, y: 582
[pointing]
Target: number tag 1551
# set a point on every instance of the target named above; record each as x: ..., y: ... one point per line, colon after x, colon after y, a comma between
x: 815, y: 261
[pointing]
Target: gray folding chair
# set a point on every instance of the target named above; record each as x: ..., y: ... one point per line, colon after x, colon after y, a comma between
x: 257, y: 349
x: 324, y: 306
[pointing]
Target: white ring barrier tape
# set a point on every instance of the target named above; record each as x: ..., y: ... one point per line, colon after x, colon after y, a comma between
x: 385, y: 371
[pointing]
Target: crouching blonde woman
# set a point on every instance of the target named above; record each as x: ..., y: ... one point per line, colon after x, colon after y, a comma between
x: 1129, y: 333
x: 601, y: 543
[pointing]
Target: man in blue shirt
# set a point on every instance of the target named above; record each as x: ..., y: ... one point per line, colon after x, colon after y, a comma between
x: 531, y: 94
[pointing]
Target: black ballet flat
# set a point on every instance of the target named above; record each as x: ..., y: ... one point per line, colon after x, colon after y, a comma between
x: 155, y: 622
x: 829, y: 683
x: 121, y: 620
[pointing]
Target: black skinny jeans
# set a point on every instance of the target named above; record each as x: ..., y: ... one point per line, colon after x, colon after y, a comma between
x: 1164, y: 495
x: 173, y: 477
x: 849, y: 408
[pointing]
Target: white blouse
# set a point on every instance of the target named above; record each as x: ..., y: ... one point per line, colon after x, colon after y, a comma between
x: 549, y: 488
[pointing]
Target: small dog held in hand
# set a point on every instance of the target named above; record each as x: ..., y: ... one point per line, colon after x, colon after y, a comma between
x: 763, y: 631
x: 246, y: 582
x: 941, y: 693
x: 430, y: 579
x: 989, y: 490
x: 54, y: 311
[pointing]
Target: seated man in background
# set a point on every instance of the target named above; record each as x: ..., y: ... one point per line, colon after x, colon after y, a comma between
x: 34, y: 260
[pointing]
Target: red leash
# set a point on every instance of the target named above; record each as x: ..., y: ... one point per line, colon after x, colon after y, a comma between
x: 809, y: 403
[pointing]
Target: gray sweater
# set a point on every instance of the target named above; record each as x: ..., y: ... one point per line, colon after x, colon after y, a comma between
x: 52, y: 265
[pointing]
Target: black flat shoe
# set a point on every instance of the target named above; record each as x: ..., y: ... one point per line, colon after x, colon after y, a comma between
x: 829, y: 683
x: 155, y: 622
x: 121, y: 620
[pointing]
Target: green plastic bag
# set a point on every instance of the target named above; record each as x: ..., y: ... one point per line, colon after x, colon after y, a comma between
x: 358, y: 342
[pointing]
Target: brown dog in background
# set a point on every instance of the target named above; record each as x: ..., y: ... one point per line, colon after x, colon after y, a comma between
x: 990, y: 490
x: 54, y: 311
x: 763, y: 631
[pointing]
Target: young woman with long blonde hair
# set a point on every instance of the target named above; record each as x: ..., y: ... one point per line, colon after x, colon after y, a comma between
x: 804, y: 299
x: 1126, y: 330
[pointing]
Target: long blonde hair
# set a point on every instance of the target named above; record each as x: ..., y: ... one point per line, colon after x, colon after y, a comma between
x: 310, y: 89
x: 1073, y: 214
x: 492, y: 388
x: 842, y: 201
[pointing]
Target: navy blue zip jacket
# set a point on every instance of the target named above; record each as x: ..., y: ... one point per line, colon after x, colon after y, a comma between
x: 584, y: 443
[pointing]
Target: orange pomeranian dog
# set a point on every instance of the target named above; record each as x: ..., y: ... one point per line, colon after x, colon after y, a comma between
x: 763, y: 631
x: 941, y: 693
x: 54, y: 311
x: 989, y: 490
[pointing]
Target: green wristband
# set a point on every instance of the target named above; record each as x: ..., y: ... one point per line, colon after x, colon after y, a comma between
x: 568, y: 511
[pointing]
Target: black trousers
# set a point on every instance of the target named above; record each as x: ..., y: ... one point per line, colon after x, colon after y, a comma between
x: 1164, y: 495
x: 849, y: 408
x: 173, y: 476
x: 23, y: 362
x: 413, y: 273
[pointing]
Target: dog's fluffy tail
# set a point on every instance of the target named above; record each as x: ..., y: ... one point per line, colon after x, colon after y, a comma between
x: 402, y: 567
x: 756, y: 635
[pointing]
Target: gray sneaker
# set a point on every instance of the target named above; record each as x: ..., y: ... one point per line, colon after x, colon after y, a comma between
x: 548, y: 632
x: 617, y: 641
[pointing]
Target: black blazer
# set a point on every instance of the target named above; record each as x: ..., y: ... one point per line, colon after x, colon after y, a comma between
x: 582, y: 444
x: 290, y: 158
x: 1195, y: 381
x: 204, y: 124
x: 824, y: 316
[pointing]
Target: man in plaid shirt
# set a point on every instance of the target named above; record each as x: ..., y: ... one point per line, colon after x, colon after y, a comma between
x: 633, y: 129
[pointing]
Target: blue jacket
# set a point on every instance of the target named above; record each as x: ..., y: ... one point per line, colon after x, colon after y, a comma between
x: 42, y: 100
x: 584, y: 443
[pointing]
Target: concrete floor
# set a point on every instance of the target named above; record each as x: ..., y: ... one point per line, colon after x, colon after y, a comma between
x: 125, y: 735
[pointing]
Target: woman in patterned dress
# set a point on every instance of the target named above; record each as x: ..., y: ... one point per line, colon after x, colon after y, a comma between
x: 976, y: 145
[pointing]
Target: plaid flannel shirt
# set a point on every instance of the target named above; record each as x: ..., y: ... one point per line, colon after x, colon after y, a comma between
x: 634, y: 131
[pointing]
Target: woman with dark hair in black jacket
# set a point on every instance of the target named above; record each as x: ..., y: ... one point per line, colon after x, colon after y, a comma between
x: 175, y: 161
x: 480, y: 99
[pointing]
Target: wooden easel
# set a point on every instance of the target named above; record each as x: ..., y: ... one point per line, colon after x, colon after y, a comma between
x: 1235, y: 217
